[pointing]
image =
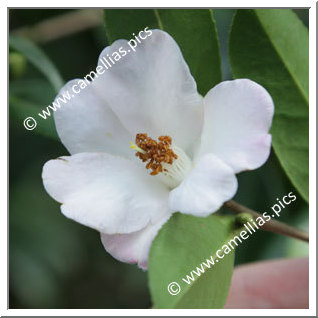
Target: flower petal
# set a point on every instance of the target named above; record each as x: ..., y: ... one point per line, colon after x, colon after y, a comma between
x: 205, y: 189
x: 86, y: 123
x: 105, y: 192
x: 133, y: 247
x: 238, y: 115
x: 152, y: 91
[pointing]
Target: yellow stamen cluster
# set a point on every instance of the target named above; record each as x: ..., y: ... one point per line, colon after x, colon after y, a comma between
x: 155, y: 153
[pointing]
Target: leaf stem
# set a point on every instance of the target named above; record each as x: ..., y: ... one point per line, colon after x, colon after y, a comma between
x: 272, y: 225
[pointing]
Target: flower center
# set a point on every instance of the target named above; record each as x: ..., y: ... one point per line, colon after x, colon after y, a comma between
x: 169, y: 162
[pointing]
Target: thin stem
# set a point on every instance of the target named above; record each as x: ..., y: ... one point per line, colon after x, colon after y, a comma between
x: 271, y: 225
x: 62, y: 25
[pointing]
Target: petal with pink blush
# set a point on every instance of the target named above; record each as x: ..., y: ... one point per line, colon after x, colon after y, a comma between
x: 238, y: 116
x: 205, y: 189
x: 105, y: 192
x: 133, y: 247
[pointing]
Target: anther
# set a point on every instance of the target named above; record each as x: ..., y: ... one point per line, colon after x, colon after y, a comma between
x: 155, y: 153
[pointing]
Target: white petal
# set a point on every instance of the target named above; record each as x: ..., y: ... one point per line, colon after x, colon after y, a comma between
x: 152, y: 91
x: 238, y: 116
x: 205, y: 189
x: 86, y: 123
x: 105, y: 192
x: 133, y: 248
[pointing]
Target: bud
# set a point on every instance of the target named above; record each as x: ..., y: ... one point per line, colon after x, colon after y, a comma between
x: 17, y: 64
x: 243, y: 218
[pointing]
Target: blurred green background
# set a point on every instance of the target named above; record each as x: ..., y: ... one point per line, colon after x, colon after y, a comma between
x: 57, y: 263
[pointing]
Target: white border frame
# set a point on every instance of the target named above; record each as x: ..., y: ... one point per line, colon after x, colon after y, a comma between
x: 312, y: 164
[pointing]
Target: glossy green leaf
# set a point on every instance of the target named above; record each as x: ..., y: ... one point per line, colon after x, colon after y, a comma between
x: 270, y: 46
x: 194, y: 30
x: 38, y: 58
x: 181, y: 246
x: 21, y: 109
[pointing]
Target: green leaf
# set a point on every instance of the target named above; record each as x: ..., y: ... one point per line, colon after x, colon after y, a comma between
x: 181, y: 246
x: 39, y: 258
x: 38, y: 58
x: 34, y: 90
x: 194, y: 31
x: 22, y: 109
x: 270, y: 46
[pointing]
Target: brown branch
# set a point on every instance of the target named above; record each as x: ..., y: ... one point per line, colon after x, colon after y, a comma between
x: 62, y: 25
x: 271, y: 225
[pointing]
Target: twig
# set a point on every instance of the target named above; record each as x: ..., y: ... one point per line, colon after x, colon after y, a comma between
x: 62, y: 25
x: 271, y: 225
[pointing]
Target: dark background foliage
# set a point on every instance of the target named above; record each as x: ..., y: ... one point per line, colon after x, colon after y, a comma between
x: 57, y: 263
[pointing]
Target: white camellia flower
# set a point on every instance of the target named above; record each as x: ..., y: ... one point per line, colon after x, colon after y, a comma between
x: 144, y: 144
